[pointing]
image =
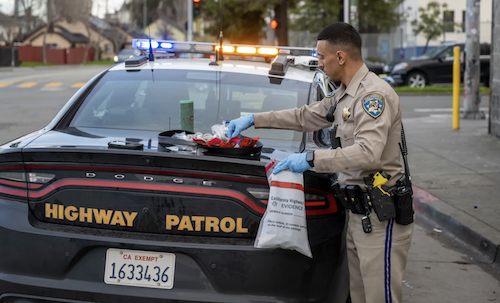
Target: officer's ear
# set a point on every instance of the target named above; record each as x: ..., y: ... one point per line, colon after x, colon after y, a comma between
x: 341, y: 57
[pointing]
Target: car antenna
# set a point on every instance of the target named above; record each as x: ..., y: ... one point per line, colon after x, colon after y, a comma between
x: 151, y: 55
x: 219, y: 53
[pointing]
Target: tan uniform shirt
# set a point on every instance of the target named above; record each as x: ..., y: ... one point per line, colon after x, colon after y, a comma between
x: 368, y: 116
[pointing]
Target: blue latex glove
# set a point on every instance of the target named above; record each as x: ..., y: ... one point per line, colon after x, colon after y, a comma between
x: 236, y: 126
x: 296, y: 163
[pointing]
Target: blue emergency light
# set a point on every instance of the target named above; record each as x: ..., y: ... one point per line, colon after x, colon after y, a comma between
x: 211, y: 48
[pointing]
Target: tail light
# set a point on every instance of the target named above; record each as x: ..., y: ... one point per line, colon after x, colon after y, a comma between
x: 317, y: 202
x: 40, y: 178
x: 22, y: 179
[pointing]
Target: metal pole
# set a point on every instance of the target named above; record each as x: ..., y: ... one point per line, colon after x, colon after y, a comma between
x: 346, y: 11
x: 144, y: 14
x: 456, y: 88
x: 14, y: 33
x: 472, y: 61
x: 190, y: 21
x: 353, y: 10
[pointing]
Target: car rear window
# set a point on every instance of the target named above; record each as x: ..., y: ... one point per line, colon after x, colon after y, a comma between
x: 149, y: 100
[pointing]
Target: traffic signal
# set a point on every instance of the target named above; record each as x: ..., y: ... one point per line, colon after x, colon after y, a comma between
x: 196, y: 8
x: 274, y: 24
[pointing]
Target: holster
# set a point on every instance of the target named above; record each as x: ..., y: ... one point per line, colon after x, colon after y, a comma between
x: 351, y: 197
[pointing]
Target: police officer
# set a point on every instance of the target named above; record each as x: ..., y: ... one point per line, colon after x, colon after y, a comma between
x: 368, y: 120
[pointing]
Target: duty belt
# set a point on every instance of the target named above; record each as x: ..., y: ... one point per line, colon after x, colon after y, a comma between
x: 358, y: 205
x: 353, y: 198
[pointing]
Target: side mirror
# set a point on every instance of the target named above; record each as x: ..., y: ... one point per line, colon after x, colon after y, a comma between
x: 440, y: 59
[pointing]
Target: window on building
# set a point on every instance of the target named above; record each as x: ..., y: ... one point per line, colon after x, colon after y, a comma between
x: 449, y: 21
x: 463, y: 21
x: 107, y: 48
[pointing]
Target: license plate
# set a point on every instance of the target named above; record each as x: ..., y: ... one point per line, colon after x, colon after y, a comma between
x: 139, y: 268
x: 383, y: 76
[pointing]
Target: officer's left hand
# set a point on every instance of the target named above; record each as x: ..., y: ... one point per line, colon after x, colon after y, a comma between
x: 295, y: 163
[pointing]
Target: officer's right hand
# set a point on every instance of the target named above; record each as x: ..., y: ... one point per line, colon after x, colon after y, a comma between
x: 236, y: 126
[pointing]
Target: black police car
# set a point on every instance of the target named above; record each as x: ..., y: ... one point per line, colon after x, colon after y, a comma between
x: 102, y: 205
x: 435, y: 66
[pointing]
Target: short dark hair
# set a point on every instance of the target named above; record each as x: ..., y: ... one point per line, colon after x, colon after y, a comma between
x: 344, y: 35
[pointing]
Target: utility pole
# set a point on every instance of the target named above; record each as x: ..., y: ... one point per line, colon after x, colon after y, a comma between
x: 354, y: 14
x: 144, y: 15
x: 472, y: 61
x: 190, y: 21
x: 494, y: 116
x: 14, y: 33
x: 346, y: 11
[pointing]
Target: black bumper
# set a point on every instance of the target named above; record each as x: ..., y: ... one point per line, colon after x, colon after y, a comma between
x: 45, y: 261
x: 399, y: 77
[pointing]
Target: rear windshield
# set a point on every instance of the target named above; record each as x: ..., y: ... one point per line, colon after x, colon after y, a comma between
x: 150, y: 100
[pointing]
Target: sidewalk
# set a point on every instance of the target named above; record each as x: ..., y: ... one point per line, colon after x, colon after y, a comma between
x: 456, y: 179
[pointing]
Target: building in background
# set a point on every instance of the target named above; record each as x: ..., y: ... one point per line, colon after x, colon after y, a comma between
x: 412, y: 45
x: 108, y: 37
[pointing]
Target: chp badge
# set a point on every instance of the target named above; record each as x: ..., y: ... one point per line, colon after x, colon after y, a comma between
x: 374, y: 105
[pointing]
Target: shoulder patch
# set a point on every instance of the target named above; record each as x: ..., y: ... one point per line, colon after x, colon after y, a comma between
x: 374, y: 105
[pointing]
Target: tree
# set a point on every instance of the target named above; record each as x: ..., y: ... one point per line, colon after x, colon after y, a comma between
x: 242, y: 24
x: 30, y: 20
x: 85, y: 18
x: 58, y: 10
x: 154, y: 9
x: 314, y: 15
x: 281, y: 8
x: 377, y: 16
x: 11, y: 28
x: 431, y: 24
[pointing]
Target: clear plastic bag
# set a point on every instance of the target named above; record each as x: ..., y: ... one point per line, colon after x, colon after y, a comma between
x: 219, y: 131
x: 181, y: 136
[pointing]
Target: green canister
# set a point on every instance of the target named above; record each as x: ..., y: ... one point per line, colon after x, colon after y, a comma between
x: 186, y: 115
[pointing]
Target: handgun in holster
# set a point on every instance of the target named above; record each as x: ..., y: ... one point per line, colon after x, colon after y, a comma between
x: 381, y: 200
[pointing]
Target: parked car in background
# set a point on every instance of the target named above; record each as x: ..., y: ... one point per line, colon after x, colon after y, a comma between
x: 126, y: 53
x: 435, y: 66
x: 376, y: 67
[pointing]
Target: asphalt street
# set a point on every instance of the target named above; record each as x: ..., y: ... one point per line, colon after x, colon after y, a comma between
x: 437, y: 271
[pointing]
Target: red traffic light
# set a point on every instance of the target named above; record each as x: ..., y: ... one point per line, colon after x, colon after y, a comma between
x: 274, y: 24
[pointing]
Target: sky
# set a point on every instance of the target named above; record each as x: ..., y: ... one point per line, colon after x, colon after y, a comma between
x: 99, y: 7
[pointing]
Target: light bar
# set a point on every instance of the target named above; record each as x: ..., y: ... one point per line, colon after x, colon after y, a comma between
x: 144, y: 44
x: 246, y: 50
x: 268, y: 51
x: 227, y: 49
x: 211, y: 48
x: 166, y: 45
